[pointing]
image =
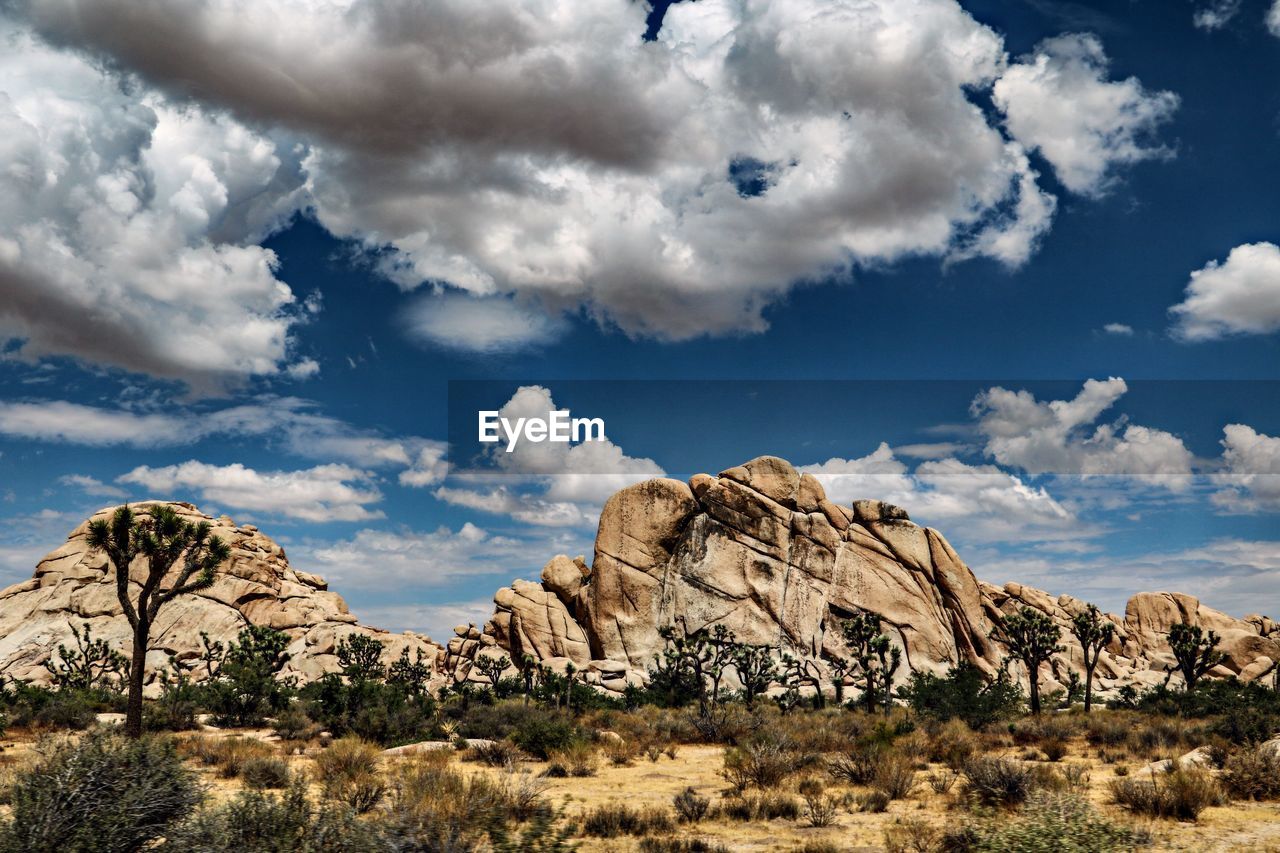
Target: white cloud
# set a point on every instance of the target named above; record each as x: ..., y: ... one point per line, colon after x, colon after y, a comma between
x: 1063, y: 437
x: 548, y: 483
x: 993, y: 505
x: 1059, y: 101
x: 673, y: 188
x: 292, y: 422
x: 1118, y: 329
x: 930, y: 450
x: 376, y: 559
x: 91, y: 486
x: 483, y: 325
x: 1240, y: 296
x: 1251, y: 475
x: 437, y: 621
x: 1216, y: 14
x: 1273, y: 19
x: 128, y: 224
x: 323, y: 493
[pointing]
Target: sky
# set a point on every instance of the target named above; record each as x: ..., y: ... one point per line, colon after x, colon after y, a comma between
x: 1012, y: 265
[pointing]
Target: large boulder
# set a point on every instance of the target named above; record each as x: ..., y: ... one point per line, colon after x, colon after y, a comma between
x: 761, y: 550
x: 75, y: 587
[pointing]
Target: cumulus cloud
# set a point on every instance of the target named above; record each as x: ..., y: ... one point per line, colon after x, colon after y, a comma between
x: 435, y: 620
x: 1063, y: 437
x: 548, y: 483
x: 1240, y: 296
x: 1215, y: 14
x: 323, y: 493
x: 482, y: 325
x: 374, y: 559
x: 292, y: 423
x: 672, y: 188
x: 1059, y: 101
x: 994, y: 505
x: 128, y: 225
x: 1273, y: 19
x: 1251, y: 475
x: 1119, y: 329
x: 91, y: 486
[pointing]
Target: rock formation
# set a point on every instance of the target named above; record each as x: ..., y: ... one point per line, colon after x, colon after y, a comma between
x: 762, y: 551
x: 76, y: 586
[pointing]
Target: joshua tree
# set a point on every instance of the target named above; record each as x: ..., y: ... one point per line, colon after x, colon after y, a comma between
x: 804, y: 671
x: 756, y: 669
x: 1094, y: 633
x: 873, y: 656
x: 492, y: 668
x: 528, y: 671
x: 164, y: 540
x: 1195, y: 652
x: 360, y: 658
x: 1031, y: 637
x: 91, y: 665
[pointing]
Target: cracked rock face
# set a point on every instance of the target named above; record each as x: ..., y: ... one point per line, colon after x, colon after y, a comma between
x: 761, y: 550
x: 74, y: 585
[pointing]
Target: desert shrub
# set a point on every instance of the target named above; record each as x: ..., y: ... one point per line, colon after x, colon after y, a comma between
x: 895, y: 775
x: 963, y: 693
x: 615, y: 819
x: 1106, y: 729
x: 1156, y: 735
x: 859, y: 763
x: 265, y: 772
x: 387, y: 714
x: 348, y: 772
x: 246, y: 686
x: 542, y: 734
x: 295, y: 724
x: 952, y: 744
x: 817, y: 846
x: 1252, y: 774
x: 942, y: 781
x: 257, y: 821
x: 1054, y: 748
x: 495, y: 753
x: 820, y: 808
x: 228, y: 754
x: 434, y: 807
x: 1055, y: 823
x: 29, y: 706
x: 764, y: 805
x: 690, y: 806
x: 873, y: 802
x: 998, y: 781
x: 103, y: 793
x: 680, y: 845
x: 1076, y: 777
x: 621, y: 753
x: 764, y: 762
x: 911, y: 836
x: 1181, y: 795
x: 576, y: 759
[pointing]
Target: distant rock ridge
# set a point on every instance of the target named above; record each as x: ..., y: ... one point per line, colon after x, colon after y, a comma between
x: 74, y: 585
x: 761, y: 550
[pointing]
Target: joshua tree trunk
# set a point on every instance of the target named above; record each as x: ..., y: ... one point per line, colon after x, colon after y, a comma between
x: 137, y: 672
x: 1033, y: 675
x: 1088, y: 689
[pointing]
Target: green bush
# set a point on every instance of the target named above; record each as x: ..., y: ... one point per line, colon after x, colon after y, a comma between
x: 1055, y: 823
x: 30, y: 706
x: 690, y: 806
x: 246, y: 686
x: 764, y: 762
x: 257, y: 822
x: 387, y: 714
x: 764, y: 805
x: 963, y: 693
x: 545, y: 733
x: 103, y: 793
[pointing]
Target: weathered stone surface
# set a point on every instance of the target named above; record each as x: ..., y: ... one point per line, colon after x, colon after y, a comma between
x: 761, y: 550
x: 74, y: 586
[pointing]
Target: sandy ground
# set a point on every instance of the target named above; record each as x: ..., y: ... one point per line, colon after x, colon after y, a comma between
x: 1238, y: 826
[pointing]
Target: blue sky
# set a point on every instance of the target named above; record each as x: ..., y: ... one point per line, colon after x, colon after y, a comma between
x: 254, y: 296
